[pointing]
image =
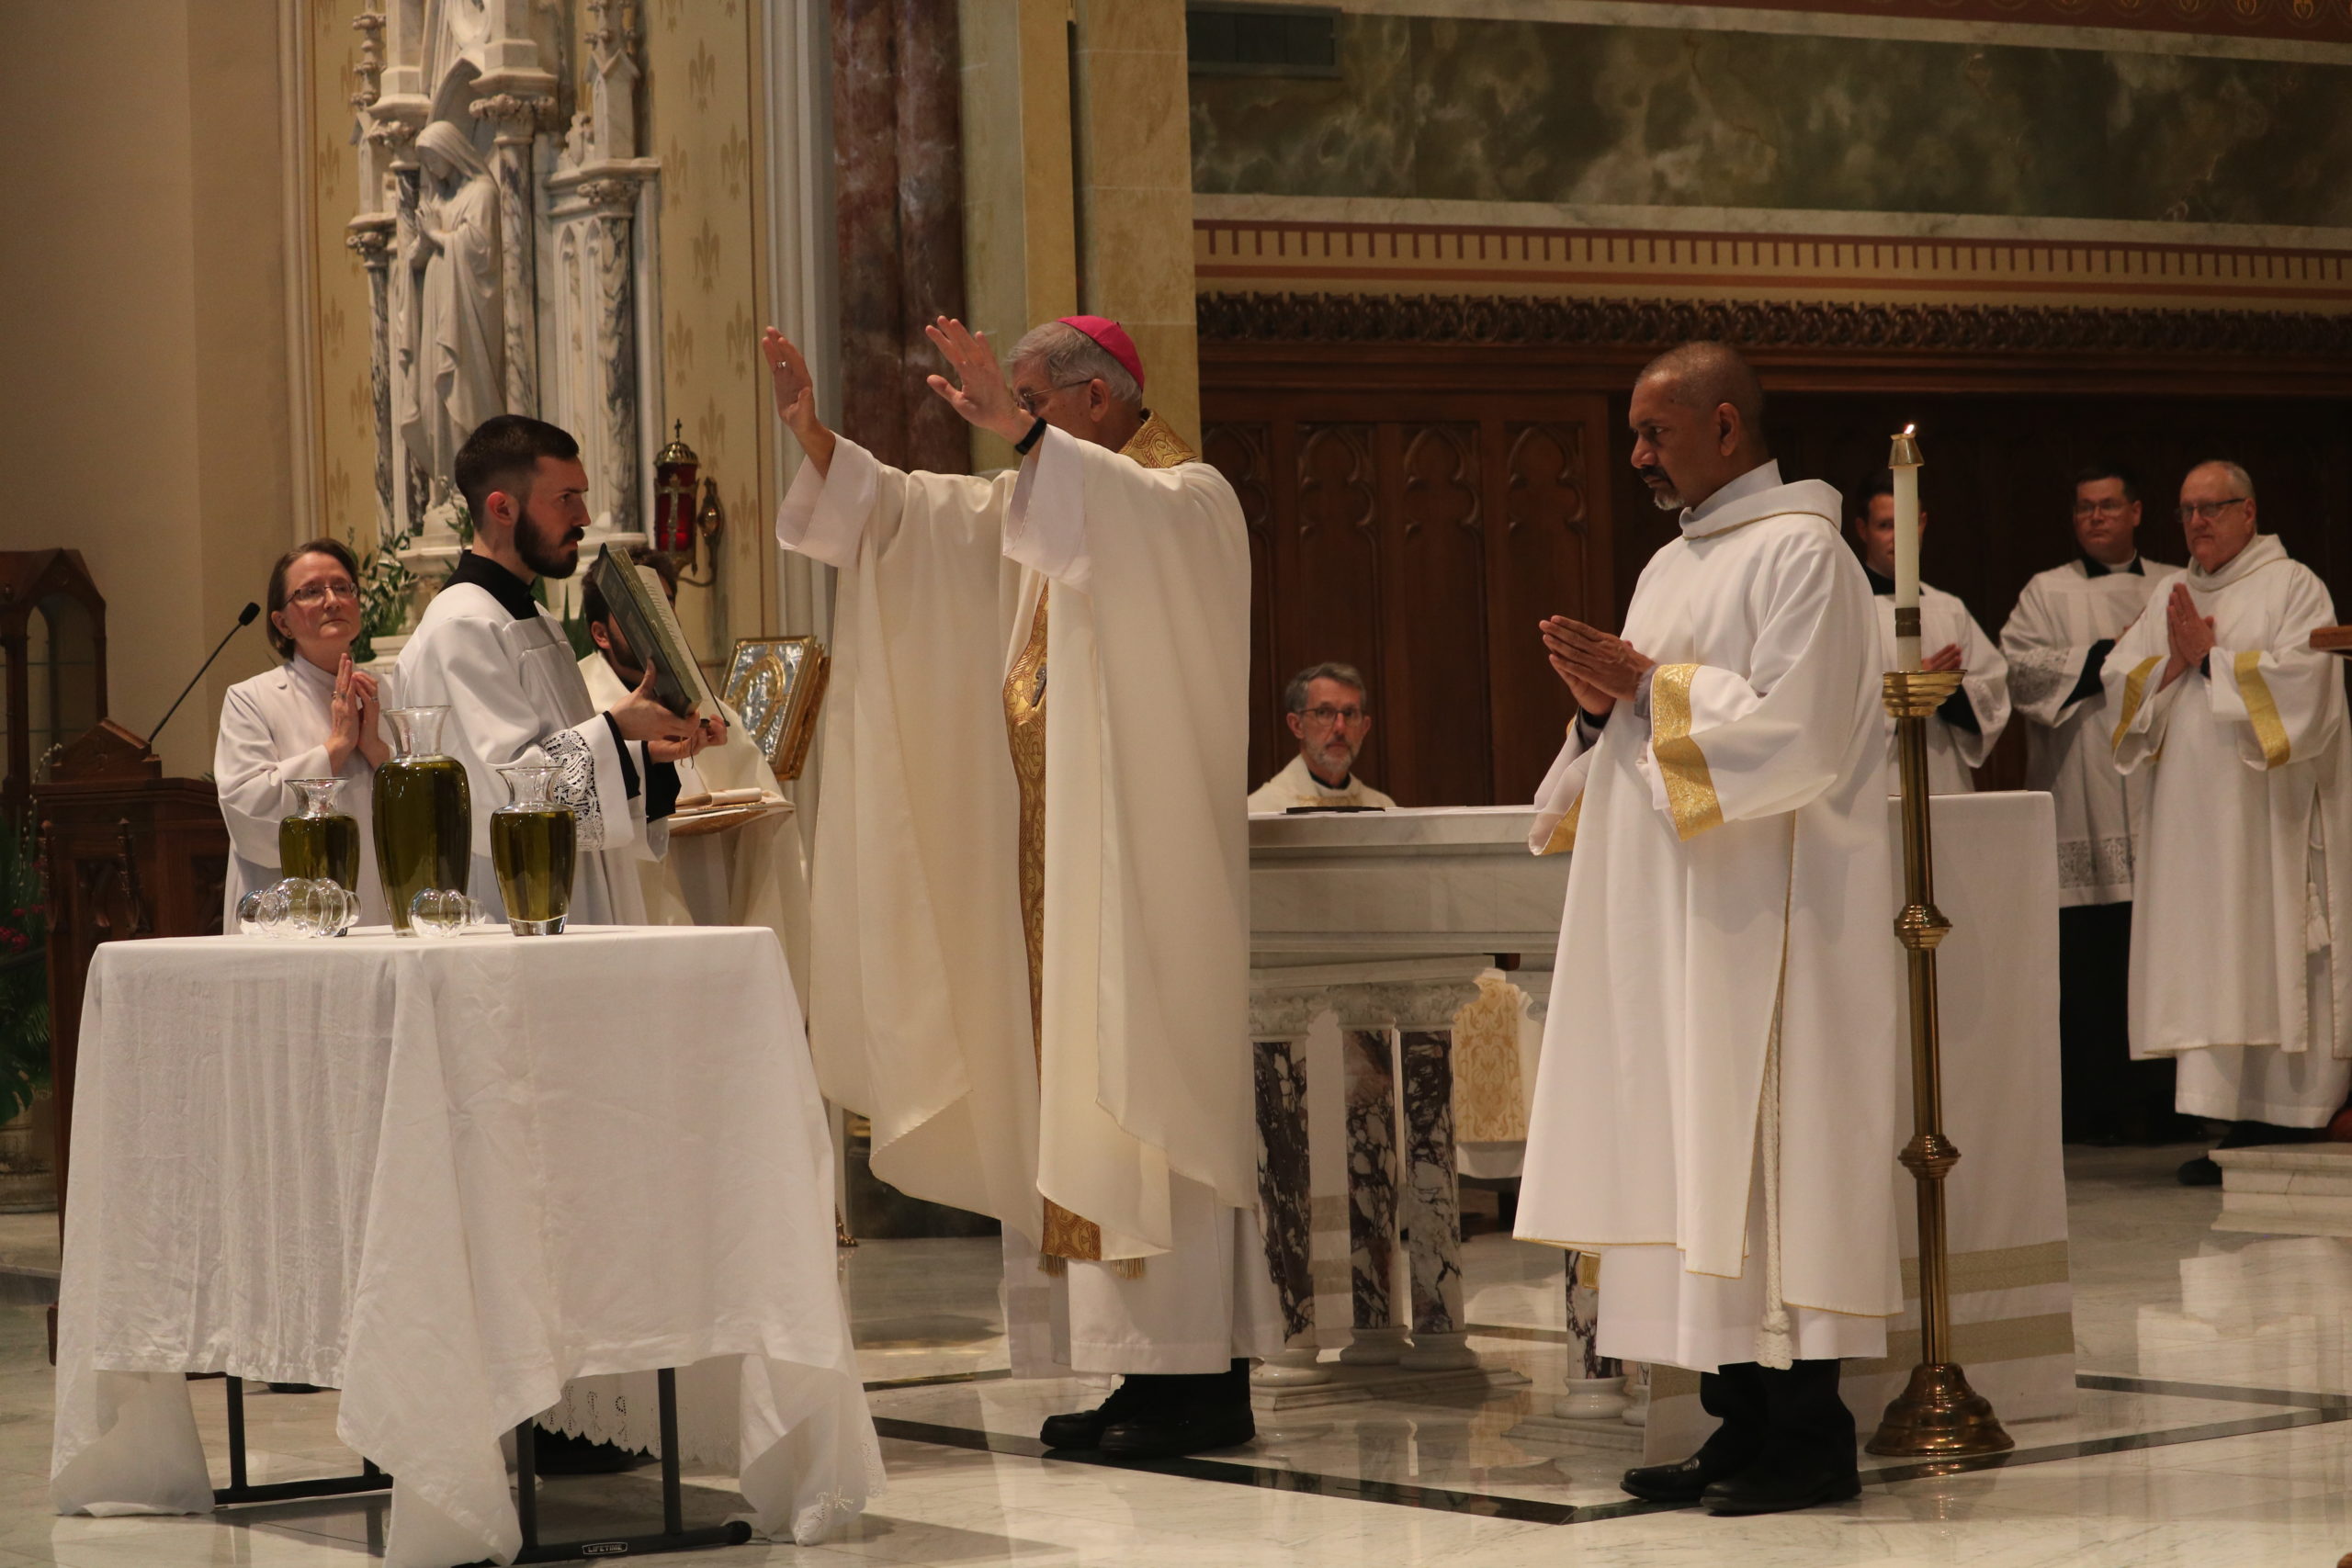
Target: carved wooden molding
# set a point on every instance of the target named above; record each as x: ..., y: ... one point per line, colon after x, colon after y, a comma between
x: 1537, y: 321
x: 2329, y: 21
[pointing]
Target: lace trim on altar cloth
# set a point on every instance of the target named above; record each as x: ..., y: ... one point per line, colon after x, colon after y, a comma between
x: 576, y: 785
x: 2104, y: 863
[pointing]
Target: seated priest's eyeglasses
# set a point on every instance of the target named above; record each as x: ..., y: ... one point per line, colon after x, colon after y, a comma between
x: 1328, y: 712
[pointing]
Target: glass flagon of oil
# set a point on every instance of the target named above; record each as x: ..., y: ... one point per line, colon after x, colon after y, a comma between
x: 320, y: 847
x: 533, y: 849
x: 424, y: 814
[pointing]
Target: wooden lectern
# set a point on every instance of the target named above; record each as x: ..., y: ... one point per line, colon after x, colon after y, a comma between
x: 130, y: 853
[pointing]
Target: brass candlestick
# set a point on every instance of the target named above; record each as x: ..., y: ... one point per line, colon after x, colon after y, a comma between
x: 1937, y: 1414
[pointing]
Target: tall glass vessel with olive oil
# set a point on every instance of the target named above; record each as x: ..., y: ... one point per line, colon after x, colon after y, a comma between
x: 318, y: 841
x: 424, y: 817
x: 533, y: 842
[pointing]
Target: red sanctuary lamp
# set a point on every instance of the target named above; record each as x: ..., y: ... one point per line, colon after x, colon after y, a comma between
x: 675, y: 469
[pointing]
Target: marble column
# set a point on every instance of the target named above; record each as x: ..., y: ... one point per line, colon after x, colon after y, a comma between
x: 613, y: 201
x: 516, y: 117
x: 898, y: 186
x: 1596, y: 1382
x: 370, y: 239
x: 1369, y: 1071
x: 1278, y: 1025
x: 1431, y: 1209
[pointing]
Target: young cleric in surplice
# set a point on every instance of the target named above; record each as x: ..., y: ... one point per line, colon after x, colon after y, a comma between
x: 1715, y: 1108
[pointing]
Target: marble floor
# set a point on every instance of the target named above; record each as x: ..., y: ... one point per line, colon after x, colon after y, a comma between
x: 2214, y: 1428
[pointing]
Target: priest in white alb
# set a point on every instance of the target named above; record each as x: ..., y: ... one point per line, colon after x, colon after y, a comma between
x: 2057, y: 641
x: 1714, y: 1113
x: 1032, y: 861
x: 498, y: 659
x: 1962, y: 733
x: 2239, y: 726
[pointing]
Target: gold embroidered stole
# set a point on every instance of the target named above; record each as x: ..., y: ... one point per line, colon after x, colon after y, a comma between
x: 1067, y: 1236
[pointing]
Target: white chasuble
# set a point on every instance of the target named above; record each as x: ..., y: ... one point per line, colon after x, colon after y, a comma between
x: 1715, y: 1105
x: 273, y: 730
x: 2247, y: 860
x: 1297, y: 786
x: 2061, y: 618
x: 1952, y: 749
x: 512, y: 688
x: 1129, y: 1083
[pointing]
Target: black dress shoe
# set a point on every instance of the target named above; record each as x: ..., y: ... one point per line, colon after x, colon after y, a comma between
x: 2199, y: 1172
x: 1084, y: 1428
x: 1778, y: 1483
x: 1175, y: 1433
x: 1682, y: 1483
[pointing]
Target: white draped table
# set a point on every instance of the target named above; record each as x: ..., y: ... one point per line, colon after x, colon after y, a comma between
x: 445, y: 1177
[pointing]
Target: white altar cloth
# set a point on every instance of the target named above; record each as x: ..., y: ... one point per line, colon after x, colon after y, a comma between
x: 2012, y: 1304
x: 443, y: 1176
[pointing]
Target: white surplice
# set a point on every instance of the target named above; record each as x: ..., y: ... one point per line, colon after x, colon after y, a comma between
x: 1952, y: 750
x: 1715, y: 1110
x: 274, y: 729
x: 2070, y: 727
x: 513, y: 687
x: 2248, y: 858
x: 1297, y: 786
x: 755, y: 874
x: 1131, y: 1104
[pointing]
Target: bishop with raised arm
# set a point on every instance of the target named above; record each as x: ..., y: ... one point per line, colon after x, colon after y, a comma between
x: 1030, y: 968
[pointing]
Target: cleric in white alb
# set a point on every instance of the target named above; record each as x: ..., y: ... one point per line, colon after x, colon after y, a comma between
x: 1962, y: 733
x: 2247, y: 862
x: 1030, y: 970
x: 1714, y: 1111
x: 499, y: 661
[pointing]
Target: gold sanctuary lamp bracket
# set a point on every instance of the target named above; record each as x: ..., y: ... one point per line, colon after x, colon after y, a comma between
x: 1936, y: 1415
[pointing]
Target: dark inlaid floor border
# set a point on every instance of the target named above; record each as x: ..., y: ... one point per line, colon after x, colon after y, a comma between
x: 2302, y: 1409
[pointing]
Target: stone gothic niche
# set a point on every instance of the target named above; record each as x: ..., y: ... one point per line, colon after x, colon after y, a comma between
x: 511, y: 263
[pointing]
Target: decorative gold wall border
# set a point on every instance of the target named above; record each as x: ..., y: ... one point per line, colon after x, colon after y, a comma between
x: 1273, y: 255
x: 1813, y: 327
x: 2300, y: 19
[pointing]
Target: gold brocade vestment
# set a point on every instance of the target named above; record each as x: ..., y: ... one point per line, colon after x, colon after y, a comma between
x: 1067, y: 1236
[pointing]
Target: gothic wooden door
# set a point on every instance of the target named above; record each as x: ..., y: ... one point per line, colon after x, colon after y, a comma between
x: 1419, y: 535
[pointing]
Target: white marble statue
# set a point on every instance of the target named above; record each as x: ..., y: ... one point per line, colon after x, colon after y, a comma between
x: 458, y: 382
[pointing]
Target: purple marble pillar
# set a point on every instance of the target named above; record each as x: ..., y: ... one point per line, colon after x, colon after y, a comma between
x: 1371, y: 1089
x: 1432, y: 1197
x: 1284, y: 1188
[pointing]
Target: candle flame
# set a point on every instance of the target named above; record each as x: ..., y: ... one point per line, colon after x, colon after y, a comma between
x: 1910, y: 430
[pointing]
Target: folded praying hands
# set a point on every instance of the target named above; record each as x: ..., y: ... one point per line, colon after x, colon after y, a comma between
x: 1600, y: 670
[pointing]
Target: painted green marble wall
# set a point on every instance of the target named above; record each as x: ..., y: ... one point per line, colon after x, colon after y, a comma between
x: 1555, y: 112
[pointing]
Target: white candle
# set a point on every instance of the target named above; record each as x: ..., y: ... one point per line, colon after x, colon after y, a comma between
x: 1906, y: 462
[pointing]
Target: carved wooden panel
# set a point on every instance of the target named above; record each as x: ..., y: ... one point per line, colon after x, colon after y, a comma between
x: 1419, y: 537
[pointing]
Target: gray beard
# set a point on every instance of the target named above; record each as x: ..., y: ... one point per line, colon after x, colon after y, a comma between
x: 1666, y: 501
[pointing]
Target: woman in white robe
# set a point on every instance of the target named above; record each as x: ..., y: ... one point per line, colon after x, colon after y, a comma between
x: 315, y: 717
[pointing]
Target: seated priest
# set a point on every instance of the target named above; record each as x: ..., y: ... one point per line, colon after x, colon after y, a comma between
x: 1723, y: 791
x: 752, y: 873
x: 1033, y: 971
x: 1962, y: 732
x: 2246, y: 862
x: 1330, y: 715
x: 491, y: 652
x: 315, y: 717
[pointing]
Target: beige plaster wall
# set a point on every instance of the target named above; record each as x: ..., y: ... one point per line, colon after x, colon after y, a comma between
x: 142, y: 340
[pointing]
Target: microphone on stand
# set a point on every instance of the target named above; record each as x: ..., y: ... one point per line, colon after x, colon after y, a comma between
x: 245, y: 617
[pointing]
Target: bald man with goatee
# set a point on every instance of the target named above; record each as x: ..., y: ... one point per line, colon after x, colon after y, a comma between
x: 1723, y: 790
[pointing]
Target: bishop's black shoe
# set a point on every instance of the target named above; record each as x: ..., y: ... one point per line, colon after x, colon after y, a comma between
x: 1084, y: 1428
x: 1683, y: 1482
x: 1781, y: 1482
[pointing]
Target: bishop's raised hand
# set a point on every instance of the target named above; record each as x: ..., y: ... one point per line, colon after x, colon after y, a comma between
x: 795, y: 397
x: 980, y: 392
